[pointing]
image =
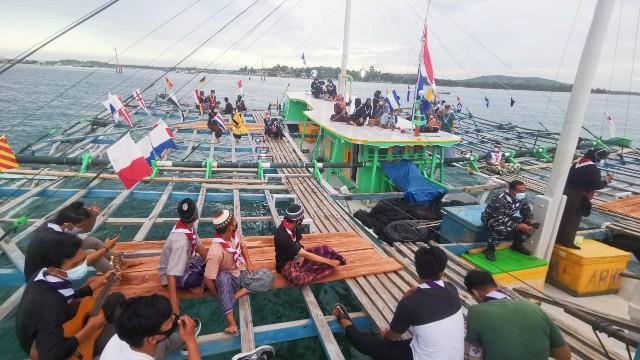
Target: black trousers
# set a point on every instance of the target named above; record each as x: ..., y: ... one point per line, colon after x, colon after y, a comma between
x: 377, y: 347
x: 575, y: 207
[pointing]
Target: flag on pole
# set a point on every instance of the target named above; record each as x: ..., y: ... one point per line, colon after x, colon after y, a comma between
x: 203, y: 80
x: 396, y: 97
x: 171, y: 99
x: 156, y: 141
x: 218, y: 119
x: 122, y: 111
x: 111, y: 107
x: 426, y: 68
x: 140, y: 101
x: 486, y: 102
x: 388, y: 101
x: 168, y: 84
x: 458, y: 105
x: 304, y: 61
x: 240, y: 87
x: 128, y: 162
x: 7, y: 156
x: 611, y: 124
x: 196, y: 96
x: 512, y: 101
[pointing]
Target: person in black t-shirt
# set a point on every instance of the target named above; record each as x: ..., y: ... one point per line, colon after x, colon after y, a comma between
x: 298, y: 265
x: 432, y: 311
x: 49, y: 301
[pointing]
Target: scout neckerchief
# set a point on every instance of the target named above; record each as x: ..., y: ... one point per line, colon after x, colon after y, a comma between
x: 291, y: 234
x: 60, y: 285
x: 234, y: 249
x: 496, y: 295
x: 584, y: 161
x: 430, y: 284
x: 191, y: 235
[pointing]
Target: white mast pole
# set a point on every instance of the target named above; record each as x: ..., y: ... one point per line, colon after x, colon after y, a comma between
x: 342, y: 81
x: 571, y: 129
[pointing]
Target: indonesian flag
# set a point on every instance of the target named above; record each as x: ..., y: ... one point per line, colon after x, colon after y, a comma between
x: 156, y: 141
x: 426, y: 68
x: 168, y: 84
x: 196, y: 96
x: 128, y: 162
x: 7, y: 156
x: 140, y: 101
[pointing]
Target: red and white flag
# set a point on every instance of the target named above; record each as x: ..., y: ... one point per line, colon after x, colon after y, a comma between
x: 196, y: 96
x: 425, y: 60
x: 123, y: 112
x: 128, y: 162
x: 140, y: 101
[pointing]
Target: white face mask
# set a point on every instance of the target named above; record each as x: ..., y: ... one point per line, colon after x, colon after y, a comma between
x: 74, y: 231
x: 77, y: 272
x: 521, y: 196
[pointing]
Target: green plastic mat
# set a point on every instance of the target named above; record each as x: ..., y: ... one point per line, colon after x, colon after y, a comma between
x: 507, y: 260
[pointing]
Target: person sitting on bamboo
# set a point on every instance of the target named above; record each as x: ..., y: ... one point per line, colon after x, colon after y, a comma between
x: 298, y: 265
x: 181, y: 264
x: 229, y: 273
x: 495, y: 161
x: 237, y: 126
x: 359, y: 115
x: 74, y: 219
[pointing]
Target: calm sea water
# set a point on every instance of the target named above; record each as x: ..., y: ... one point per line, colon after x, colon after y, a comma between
x: 31, y: 104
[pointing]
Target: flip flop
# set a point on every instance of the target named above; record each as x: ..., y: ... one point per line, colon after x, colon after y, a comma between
x: 345, y: 313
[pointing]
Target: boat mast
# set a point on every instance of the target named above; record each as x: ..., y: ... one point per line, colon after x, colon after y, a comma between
x: 552, y: 203
x: 342, y: 80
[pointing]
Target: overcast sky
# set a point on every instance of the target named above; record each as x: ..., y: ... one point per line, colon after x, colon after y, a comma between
x: 467, y: 37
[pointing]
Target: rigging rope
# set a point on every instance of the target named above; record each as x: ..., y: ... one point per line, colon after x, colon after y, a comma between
x: 633, y: 67
x: 35, y: 48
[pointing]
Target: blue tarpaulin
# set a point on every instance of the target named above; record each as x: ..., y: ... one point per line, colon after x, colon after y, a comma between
x: 417, y: 189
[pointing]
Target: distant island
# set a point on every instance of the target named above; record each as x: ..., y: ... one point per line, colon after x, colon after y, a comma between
x: 499, y: 82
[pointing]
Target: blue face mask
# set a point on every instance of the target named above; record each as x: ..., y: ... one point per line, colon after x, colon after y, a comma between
x: 77, y: 272
x: 521, y: 196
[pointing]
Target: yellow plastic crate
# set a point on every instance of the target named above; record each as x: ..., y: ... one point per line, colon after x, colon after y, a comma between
x: 593, y: 270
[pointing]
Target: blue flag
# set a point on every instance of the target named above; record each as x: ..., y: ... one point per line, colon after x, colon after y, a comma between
x: 420, y: 86
x: 388, y: 103
x: 396, y: 97
x: 486, y: 102
x: 512, y: 102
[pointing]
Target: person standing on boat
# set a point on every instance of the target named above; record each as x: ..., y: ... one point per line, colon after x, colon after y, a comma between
x: 583, y: 180
x: 181, y: 264
x: 211, y: 100
x: 298, y: 265
x: 228, y: 107
x: 447, y: 120
x: 500, y: 217
x: 240, y: 107
x: 214, y: 124
x: 432, y: 312
x: 49, y: 301
x: 72, y: 220
x: 237, y: 126
x: 502, y: 328
x: 229, y: 273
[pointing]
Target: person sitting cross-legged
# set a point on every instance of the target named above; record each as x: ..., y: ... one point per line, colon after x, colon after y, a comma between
x: 229, y: 273
x: 298, y: 265
x: 432, y: 311
x: 499, y: 217
x: 499, y: 327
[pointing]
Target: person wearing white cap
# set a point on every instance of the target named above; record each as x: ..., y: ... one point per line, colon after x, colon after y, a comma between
x: 298, y: 265
x: 181, y: 264
x: 229, y: 274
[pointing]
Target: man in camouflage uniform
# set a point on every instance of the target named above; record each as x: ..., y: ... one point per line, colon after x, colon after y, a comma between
x: 499, y: 217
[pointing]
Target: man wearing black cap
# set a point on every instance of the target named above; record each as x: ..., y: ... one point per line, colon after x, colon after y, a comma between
x: 432, y: 311
x: 298, y: 265
x: 182, y: 263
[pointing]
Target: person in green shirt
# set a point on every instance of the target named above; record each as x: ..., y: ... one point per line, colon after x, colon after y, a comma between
x: 503, y: 328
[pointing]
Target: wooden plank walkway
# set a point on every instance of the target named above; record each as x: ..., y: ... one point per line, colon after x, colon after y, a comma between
x: 629, y: 206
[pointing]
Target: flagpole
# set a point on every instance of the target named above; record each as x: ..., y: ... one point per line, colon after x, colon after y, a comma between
x: 415, y: 87
x: 342, y: 81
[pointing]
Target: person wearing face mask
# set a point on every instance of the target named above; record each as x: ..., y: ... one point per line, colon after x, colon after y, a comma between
x: 298, y: 265
x: 181, y: 264
x: 500, y: 217
x: 49, y: 300
x: 583, y: 180
x: 503, y: 328
x: 73, y: 220
x: 229, y: 273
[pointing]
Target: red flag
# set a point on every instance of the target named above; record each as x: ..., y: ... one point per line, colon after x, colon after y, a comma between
x: 425, y: 59
x: 240, y: 84
x: 168, y: 83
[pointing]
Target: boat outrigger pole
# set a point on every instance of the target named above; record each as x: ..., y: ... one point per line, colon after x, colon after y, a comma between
x: 342, y: 81
x: 550, y: 206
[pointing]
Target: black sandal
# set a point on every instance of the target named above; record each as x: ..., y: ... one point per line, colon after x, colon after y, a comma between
x: 345, y: 313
